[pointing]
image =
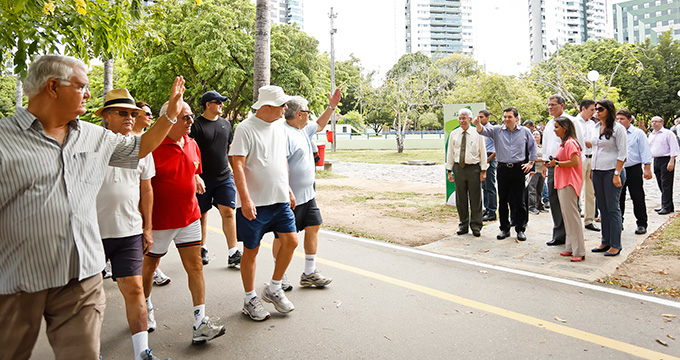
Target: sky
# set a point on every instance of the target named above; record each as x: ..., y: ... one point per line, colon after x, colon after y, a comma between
x: 373, y: 30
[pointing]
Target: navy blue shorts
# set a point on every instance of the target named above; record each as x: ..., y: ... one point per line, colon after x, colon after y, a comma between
x: 307, y: 214
x: 126, y: 255
x: 217, y: 193
x: 278, y: 217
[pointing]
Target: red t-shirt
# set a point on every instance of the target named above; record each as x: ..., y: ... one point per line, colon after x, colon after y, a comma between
x: 174, y: 186
x: 572, y: 175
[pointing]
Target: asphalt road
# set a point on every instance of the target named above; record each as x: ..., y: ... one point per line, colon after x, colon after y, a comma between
x: 392, y: 302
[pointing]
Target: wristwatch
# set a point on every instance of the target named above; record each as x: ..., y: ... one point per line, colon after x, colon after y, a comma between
x: 617, y: 173
x: 557, y: 162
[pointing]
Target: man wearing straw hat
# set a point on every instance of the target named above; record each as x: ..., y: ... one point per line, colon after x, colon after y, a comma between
x: 51, y: 168
x: 125, y: 231
x: 264, y: 198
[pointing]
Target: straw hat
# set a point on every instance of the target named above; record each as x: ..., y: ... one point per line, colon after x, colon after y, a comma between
x: 117, y: 98
x: 271, y: 95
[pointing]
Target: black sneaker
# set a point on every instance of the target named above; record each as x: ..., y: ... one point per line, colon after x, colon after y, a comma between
x: 204, y: 256
x: 234, y: 259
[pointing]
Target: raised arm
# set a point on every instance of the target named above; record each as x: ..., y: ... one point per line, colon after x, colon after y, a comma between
x: 333, y: 101
x: 155, y: 135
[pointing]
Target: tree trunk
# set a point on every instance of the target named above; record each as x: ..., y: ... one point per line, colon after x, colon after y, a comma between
x: 399, y: 132
x: 20, y: 93
x: 262, y: 65
x: 108, y: 78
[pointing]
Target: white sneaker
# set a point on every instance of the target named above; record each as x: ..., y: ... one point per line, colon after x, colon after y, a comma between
x: 159, y: 278
x: 107, y: 273
x: 207, y: 331
x: 278, y: 298
x: 254, y: 309
x: 150, y: 319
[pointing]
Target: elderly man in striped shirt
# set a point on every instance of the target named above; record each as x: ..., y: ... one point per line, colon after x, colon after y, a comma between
x: 51, y: 168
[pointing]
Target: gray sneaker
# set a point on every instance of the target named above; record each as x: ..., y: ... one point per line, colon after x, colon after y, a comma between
x: 150, y: 319
x: 278, y: 298
x: 254, y: 309
x: 234, y: 259
x: 207, y: 331
x: 147, y: 355
x: 314, y: 279
x: 285, y: 284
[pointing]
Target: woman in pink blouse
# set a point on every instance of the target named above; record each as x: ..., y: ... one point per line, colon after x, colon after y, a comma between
x: 568, y: 181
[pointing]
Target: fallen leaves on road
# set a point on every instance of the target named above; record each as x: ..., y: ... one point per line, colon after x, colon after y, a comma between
x: 662, y: 342
x: 660, y: 272
x: 560, y: 319
x: 670, y: 336
x: 485, y: 251
x: 668, y: 315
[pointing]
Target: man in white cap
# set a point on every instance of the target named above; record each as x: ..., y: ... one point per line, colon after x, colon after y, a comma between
x: 213, y: 135
x: 120, y: 220
x: 51, y: 168
x: 264, y: 203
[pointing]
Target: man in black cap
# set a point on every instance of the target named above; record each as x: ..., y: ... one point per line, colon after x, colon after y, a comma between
x: 214, y: 135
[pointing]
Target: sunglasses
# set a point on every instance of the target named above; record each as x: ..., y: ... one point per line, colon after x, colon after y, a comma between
x: 216, y: 102
x: 188, y: 118
x: 125, y: 113
x: 148, y: 113
x: 306, y: 111
x: 600, y: 109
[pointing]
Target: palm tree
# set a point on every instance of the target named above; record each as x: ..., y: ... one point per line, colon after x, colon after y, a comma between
x: 261, y: 75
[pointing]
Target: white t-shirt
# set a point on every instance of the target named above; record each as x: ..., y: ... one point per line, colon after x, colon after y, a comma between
x: 265, y: 147
x: 118, y: 199
x: 301, y: 168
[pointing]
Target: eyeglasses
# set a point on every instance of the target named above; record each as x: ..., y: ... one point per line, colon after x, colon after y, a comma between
x: 188, y: 117
x: 306, y: 111
x: 148, y: 113
x: 217, y: 102
x: 80, y: 87
x: 125, y: 113
x: 657, y: 121
x: 600, y: 109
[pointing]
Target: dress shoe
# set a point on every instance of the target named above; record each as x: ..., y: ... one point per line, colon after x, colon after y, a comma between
x: 489, y: 217
x: 566, y: 253
x: 658, y: 209
x: 521, y: 236
x: 476, y: 233
x: 578, y: 258
x: 597, y: 249
x: 612, y: 254
x: 554, y: 242
x: 503, y: 234
x: 665, y: 212
x: 592, y: 227
x: 462, y: 231
x: 640, y: 230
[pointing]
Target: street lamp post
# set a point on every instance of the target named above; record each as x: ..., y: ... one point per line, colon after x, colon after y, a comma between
x: 593, y: 75
x: 332, y: 16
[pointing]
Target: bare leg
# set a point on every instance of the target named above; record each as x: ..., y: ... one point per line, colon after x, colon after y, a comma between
x: 204, y: 226
x: 248, y: 268
x: 289, y: 242
x: 191, y: 260
x: 135, y: 306
x: 311, y: 239
x: 149, y: 266
x: 228, y: 225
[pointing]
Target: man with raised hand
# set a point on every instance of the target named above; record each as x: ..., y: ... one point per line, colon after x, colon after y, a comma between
x: 213, y: 135
x: 301, y: 177
x: 125, y: 231
x: 52, y: 166
x: 264, y: 197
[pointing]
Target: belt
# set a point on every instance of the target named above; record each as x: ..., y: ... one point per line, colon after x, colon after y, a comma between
x: 589, y: 156
x: 510, y: 164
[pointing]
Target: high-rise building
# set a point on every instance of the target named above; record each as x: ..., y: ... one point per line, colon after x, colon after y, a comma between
x: 439, y: 28
x: 637, y: 20
x: 287, y: 12
x: 553, y: 23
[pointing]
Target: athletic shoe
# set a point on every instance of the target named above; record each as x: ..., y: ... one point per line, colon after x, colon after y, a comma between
x: 314, y: 279
x: 285, y: 283
x: 234, y: 259
x: 160, y: 279
x: 107, y: 270
x: 150, y: 320
x: 204, y: 256
x: 278, y: 299
x: 147, y: 355
x: 254, y: 309
x: 207, y: 331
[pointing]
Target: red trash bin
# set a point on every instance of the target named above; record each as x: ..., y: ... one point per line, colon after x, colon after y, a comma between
x: 322, y: 150
x: 329, y: 135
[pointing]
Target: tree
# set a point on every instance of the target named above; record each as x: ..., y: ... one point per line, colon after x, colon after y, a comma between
x: 261, y: 74
x: 96, y: 77
x: 7, y: 93
x: 431, y: 121
x: 86, y: 29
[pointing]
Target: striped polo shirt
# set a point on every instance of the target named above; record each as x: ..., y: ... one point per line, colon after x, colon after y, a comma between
x: 48, y: 216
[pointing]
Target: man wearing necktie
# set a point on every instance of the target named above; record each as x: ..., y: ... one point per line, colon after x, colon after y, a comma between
x: 466, y: 166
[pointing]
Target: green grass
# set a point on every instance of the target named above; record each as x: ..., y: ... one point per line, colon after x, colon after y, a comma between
x: 357, y: 198
x: 438, y: 213
x: 344, y: 230
x: 386, y: 156
x: 668, y: 243
x: 336, y: 187
x: 323, y: 174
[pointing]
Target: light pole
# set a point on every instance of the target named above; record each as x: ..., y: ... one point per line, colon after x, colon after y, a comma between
x: 333, y: 31
x: 593, y: 76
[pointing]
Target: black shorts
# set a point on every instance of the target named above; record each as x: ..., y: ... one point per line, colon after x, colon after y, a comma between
x: 126, y: 255
x: 307, y: 214
x: 217, y: 193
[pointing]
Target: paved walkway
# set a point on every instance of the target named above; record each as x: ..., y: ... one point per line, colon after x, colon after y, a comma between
x: 531, y: 255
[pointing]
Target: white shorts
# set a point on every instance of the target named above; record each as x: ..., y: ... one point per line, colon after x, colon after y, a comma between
x: 189, y: 235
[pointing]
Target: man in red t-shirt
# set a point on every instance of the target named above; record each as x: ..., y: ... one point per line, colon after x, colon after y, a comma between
x: 176, y: 218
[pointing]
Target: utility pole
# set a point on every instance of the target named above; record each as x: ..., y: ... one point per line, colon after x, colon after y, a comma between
x: 333, y: 31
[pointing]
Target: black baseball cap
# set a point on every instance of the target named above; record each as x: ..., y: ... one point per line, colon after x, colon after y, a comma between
x: 212, y: 95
